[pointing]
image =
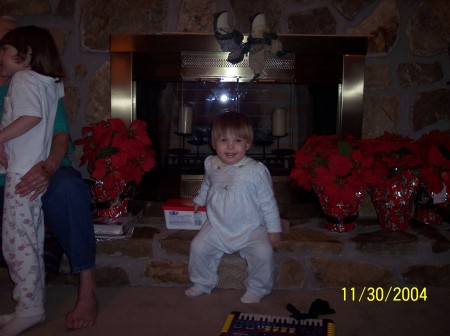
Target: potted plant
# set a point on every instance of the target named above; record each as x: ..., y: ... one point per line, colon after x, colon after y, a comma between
x: 338, y: 172
x: 432, y: 201
x: 395, y: 179
x: 117, y: 156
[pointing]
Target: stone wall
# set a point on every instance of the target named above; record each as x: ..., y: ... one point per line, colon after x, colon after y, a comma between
x: 407, y: 68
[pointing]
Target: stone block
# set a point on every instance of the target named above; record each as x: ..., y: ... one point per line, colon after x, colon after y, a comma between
x: 336, y: 273
x: 386, y: 242
x: 126, y: 247
x: 111, y: 276
x: 431, y: 107
x: 428, y: 28
x: 177, y: 242
x: 428, y: 275
x: 417, y: 73
x: 232, y: 272
x: 382, y: 26
x: 166, y: 271
x: 310, y: 240
x: 290, y: 274
x: 105, y: 276
x: 378, y: 76
x: 440, y: 243
x: 381, y: 114
x: 316, y: 21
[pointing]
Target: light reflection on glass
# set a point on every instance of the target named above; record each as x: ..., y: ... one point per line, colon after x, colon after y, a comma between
x: 223, y: 98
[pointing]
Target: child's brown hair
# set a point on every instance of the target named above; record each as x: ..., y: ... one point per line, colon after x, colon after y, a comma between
x: 45, y: 58
x: 234, y: 122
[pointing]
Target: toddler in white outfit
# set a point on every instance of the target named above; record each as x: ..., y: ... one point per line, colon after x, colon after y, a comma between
x: 242, y: 212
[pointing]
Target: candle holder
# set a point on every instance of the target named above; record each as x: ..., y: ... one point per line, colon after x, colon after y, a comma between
x: 264, y: 143
x: 284, y: 151
x: 197, y: 143
x: 181, y: 152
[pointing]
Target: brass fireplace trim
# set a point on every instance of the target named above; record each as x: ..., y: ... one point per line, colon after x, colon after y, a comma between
x: 311, y: 59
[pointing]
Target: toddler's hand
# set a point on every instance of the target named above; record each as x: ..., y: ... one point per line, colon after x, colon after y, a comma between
x: 275, y: 239
x: 196, y: 206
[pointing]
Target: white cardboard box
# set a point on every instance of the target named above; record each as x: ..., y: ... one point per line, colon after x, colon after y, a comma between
x: 179, y: 214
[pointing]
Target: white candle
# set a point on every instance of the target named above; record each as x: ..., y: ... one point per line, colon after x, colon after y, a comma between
x: 279, y: 122
x: 185, y: 121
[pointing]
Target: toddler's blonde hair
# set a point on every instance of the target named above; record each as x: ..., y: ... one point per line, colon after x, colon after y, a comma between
x: 234, y: 122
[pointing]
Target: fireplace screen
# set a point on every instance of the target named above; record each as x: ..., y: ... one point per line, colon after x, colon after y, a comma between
x: 180, y: 87
x: 179, y: 115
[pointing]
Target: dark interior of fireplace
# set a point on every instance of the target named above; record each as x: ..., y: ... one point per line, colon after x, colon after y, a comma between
x: 312, y: 109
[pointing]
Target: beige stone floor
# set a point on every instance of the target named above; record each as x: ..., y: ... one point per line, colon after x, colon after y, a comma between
x: 155, y: 311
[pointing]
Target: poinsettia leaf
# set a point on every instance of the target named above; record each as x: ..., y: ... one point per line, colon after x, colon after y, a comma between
x: 445, y: 151
x: 345, y: 148
x: 107, y: 151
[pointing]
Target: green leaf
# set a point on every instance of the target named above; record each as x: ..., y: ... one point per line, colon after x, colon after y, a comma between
x: 345, y: 149
x: 445, y: 152
x: 107, y: 151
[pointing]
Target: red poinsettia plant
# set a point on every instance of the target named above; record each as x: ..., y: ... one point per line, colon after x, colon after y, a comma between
x: 393, y: 155
x: 434, y: 148
x: 116, y: 155
x: 337, y: 166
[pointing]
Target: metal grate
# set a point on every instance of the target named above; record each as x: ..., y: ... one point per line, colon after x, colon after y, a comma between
x: 210, y: 65
x: 214, y: 63
x: 190, y: 184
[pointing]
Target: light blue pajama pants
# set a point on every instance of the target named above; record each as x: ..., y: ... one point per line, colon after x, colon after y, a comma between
x: 207, y: 250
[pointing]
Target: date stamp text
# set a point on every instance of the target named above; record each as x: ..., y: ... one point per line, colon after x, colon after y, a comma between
x: 384, y: 294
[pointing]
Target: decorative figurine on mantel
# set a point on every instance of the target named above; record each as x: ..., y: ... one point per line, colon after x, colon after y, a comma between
x: 261, y: 43
x: 230, y: 40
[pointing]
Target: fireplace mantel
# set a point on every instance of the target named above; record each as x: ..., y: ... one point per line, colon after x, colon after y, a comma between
x: 311, y: 59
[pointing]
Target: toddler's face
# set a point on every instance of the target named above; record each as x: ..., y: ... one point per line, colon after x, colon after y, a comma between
x: 231, y: 148
x: 8, y: 62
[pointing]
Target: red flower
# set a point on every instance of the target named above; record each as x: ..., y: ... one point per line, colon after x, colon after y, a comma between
x: 337, y: 166
x: 116, y: 154
x: 434, y: 173
x: 391, y: 154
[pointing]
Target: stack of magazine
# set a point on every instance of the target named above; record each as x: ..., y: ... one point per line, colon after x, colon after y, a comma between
x: 116, y: 228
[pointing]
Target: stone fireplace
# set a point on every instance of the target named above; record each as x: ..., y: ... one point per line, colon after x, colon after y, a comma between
x: 318, y: 87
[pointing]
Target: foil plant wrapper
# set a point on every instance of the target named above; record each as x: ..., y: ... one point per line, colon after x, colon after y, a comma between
x: 340, y: 216
x: 394, y: 201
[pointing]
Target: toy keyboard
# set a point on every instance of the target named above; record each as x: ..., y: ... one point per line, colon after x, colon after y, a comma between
x: 243, y: 324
